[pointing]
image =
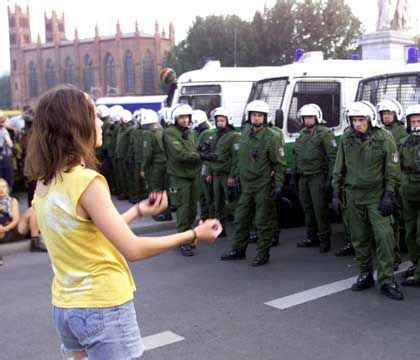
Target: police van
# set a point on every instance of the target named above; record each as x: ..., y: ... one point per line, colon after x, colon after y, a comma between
x: 213, y: 86
x: 133, y: 103
x: 331, y: 84
x: 402, y: 84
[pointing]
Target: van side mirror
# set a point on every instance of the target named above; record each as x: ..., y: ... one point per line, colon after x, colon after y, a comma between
x: 279, y: 119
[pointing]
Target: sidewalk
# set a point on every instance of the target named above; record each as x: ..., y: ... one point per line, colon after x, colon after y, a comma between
x: 139, y: 226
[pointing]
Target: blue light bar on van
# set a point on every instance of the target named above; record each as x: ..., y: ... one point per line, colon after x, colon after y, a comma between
x: 412, y: 55
x: 298, y: 54
x: 356, y: 57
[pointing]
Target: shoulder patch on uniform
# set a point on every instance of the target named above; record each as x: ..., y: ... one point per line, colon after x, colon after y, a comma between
x: 281, y: 151
x: 333, y: 143
x: 236, y: 146
x: 145, y: 143
x: 395, y: 158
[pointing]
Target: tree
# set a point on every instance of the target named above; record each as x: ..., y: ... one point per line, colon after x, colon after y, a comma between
x: 271, y: 37
x: 5, y: 94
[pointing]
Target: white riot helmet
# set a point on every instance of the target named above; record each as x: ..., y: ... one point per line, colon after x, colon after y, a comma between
x: 137, y: 115
x: 258, y: 106
x: 179, y: 110
x: 362, y: 108
x: 221, y: 111
x: 390, y: 105
x: 103, y: 111
x: 411, y: 110
x: 311, y: 110
x: 115, y: 112
x: 126, y: 116
x: 148, y: 117
x: 198, y: 117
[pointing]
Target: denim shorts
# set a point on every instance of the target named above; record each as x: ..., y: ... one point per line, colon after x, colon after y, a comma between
x: 104, y: 333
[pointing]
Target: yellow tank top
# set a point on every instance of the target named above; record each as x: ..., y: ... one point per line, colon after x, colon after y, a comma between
x: 88, y: 270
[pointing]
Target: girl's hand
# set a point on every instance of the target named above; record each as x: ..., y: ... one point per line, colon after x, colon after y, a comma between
x: 208, y: 231
x: 156, y: 203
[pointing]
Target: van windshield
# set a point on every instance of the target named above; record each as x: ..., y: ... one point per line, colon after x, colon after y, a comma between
x: 402, y: 87
x: 201, y: 97
x: 271, y: 91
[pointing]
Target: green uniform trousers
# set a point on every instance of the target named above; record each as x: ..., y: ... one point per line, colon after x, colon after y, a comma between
x: 412, y: 232
x: 315, y: 205
x: 205, y: 199
x: 260, y: 201
x: 366, y: 219
x: 186, y: 202
x: 220, y: 189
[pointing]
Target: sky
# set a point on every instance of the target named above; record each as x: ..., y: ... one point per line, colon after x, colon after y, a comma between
x: 85, y: 14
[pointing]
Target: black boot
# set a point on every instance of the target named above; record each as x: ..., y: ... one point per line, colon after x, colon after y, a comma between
x: 166, y: 216
x: 186, y: 250
x: 233, y: 255
x: 411, y: 281
x: 37, y: 245
x: 347, y: 250
x: 1, y: 260
x: 364, y: 281
x: 311, y: 241
x: 253, y: 238
x: 392, y: 291
x: 261, y: 259
x: 325, y: 245
x: 409, y: 272
x: 276, y: 239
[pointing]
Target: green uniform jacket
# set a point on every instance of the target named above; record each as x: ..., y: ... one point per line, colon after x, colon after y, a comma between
x: 259, y: 155
x: 398, y: 132
x: 205, y: 137
x: 367, y: 167
x: 123, y: 142
x: 112, y: 146
x: 410, y: 166
x: 225, y: 145
x: 153, y: 149
x: 182, y: 154
x: 315, y: 152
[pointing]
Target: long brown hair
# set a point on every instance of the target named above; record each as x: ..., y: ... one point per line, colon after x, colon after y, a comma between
x: 63, y: 134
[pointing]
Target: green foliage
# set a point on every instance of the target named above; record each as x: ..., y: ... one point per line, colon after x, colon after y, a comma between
x: 271, y: 37
x: 5, y: 95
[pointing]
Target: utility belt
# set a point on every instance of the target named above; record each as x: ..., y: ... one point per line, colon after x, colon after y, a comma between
x: 410, y: 170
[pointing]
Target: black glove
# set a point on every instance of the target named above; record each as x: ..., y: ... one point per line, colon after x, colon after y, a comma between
x: 276, y: 194
x: 388, y: 204
x: 336, y: 203
x: 208, y: 156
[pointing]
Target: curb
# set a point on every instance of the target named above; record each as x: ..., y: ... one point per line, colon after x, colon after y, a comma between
x: 24, y: 245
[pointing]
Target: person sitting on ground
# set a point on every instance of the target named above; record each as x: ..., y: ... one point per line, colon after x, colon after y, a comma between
x: 13, y: 227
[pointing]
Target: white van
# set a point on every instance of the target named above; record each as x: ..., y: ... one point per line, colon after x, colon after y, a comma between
x: 214, y: 86
x: 402, y: 84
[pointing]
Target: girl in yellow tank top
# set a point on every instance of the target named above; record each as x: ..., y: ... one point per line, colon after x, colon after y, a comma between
x: 88, y: 241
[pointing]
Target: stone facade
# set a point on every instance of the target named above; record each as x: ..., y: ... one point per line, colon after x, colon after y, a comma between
x: 124, y: 64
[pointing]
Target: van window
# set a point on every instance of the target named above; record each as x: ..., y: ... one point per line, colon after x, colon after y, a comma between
x: 201, y: 97
x: 326, y: 94
x: 404, y: 87
x: 271, y: 91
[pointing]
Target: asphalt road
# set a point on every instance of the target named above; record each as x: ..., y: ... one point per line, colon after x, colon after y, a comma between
x: 219, y: 309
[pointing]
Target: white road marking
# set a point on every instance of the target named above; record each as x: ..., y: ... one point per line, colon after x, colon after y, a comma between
x: 161, y: 339
x: 305, y: 296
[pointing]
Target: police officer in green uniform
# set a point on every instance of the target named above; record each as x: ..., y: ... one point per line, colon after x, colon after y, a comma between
x: 391, y: 116
x: 153, y: 165
x: 183, y: 163
x: 103, y: 152
x: 410, y: 193
x: 222, y: 158
x: 261, y: 157
x: 112, y: 144
x: 136, y: 191
x: 368, y: 165
x: 314, y: 153
x: 205, y: 134
x: 121, y: 153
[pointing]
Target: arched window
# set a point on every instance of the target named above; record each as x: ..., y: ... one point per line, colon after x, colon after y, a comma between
x: 33, y: 80
x: 129, y: 72
x: 148, y: 74
x: 88, y: 74
x: 50, y: 74
x: 110, y: 77
x: 69, y: 72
